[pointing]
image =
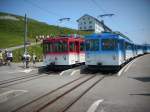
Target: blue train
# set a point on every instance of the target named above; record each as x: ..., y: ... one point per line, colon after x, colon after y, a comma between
x: 111, y: 50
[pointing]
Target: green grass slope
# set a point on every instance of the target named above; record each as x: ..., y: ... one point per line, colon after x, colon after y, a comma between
x: 12, y: 30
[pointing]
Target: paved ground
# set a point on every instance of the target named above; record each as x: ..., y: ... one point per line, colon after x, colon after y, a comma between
x: 12, y: 97
x: 16, y: 70
x: 127, y: 92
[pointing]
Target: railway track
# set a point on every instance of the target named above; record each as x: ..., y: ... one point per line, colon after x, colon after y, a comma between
x: 17, y: 80
x: 50, y: 100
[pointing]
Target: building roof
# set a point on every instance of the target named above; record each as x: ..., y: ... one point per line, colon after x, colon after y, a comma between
x: 106, y: 28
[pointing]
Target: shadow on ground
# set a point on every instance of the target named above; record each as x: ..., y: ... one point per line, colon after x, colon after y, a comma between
x: 142, y: 79
x: 143, y: 94
x: 87, y: 70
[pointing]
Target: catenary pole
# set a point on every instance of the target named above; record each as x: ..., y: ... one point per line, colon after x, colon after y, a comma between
x: 25, y: 34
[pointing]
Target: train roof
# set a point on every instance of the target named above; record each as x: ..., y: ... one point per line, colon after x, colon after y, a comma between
x: 109, y: 35
x: 63, y: 38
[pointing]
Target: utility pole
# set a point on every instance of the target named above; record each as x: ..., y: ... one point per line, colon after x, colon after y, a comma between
x: 25, y: 34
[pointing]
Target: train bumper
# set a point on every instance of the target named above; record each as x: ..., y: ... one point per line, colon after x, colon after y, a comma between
x: 104, y: 67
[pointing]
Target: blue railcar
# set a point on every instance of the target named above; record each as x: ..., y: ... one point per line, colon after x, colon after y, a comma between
x: 140, y: 49
x: 108, y: 51
x: 146, y: 48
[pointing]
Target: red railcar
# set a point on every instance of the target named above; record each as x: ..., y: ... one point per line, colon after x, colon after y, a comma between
x: 63, y: 51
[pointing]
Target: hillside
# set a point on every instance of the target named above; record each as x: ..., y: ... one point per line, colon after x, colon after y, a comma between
x: 12, y: 30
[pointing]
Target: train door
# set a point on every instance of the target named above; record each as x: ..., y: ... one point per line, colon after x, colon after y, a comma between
x: 77, y: 50
x: 122, y: 48
x: 72, y: 56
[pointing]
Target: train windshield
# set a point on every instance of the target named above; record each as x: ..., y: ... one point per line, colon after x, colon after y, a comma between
x: 45, y: 47
x: 81, y: 46
x: 108, y: 44
x: 71, y: 46
x: 92, y: 45
x: 58, y: 46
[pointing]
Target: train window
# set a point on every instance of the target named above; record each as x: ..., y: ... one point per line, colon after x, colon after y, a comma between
x: 50, y: 47
x: 77, y: 46
x: 45, y: 48
x: 108, y: 44
x: 87, y: 45
x: 128, y: 46
x: 71, y: 46
x: 95, y: 45
x: 81, y: 46
x: 92, y: 45
x: 64, y: 47
x: 55, y: 47
x: 60, y: 46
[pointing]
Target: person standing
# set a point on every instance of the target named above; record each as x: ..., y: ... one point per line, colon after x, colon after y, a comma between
x: 36, y: 39
x: 27, y: 60
x: 23, y: 58
x: 5, y: 56
x: 9, y: 57
x: 1, y: 57
x: 34, y: 59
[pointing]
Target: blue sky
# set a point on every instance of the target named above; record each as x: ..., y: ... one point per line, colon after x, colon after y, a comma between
x: 132, y: 17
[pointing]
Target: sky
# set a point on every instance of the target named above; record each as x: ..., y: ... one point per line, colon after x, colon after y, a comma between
x: 131, y: 17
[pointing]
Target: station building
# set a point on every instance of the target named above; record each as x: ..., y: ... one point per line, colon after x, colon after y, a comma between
x: 90, y: 23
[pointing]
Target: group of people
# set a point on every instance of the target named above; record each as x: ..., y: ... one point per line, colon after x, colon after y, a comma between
x: 41, y: 38
x: 26, y: 59
x: 6, y: 57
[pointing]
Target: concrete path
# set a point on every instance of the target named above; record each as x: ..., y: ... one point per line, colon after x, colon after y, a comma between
x: 21, y: 46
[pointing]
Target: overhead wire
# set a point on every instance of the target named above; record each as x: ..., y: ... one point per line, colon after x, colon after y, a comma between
x: 41, y: 8
x: 103, y: 10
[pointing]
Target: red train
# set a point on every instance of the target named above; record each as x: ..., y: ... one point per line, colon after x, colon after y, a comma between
x: 63, y: 51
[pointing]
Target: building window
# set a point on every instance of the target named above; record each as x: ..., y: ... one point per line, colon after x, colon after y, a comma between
x: 90, y: 27
x: 84, y: 22
x: 90, y: 22
x: 83, y: 18
x: 85, y: 28
x: 80, y: 28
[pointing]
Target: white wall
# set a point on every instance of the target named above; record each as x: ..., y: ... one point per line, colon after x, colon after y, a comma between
x: 89, y: 23
x: 98, y: 28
